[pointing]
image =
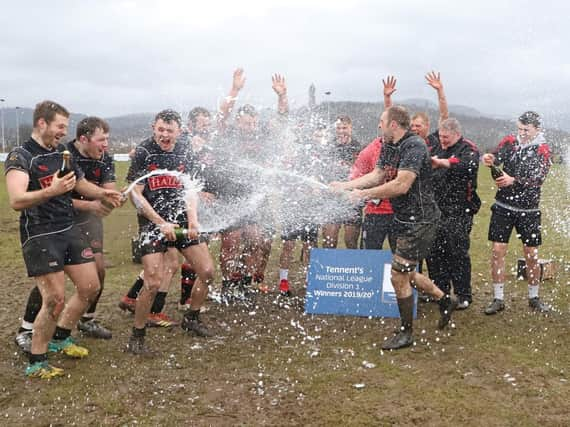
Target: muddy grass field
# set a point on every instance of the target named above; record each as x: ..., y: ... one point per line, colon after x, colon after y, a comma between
x: 271, y: 364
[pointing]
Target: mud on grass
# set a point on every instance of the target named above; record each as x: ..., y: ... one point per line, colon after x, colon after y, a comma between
x: 273, y: 365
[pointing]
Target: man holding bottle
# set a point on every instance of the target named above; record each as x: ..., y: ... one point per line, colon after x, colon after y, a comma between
x: 526, y: 161
x: 162, y: 208
x: 51, y: 244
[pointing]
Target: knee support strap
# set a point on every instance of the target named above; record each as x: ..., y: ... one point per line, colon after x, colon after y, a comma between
x: 403, y: 268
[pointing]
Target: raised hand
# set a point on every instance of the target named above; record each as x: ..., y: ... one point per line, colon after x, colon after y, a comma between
x: 238, y: 80
x: 278, y: 84
x: 434, y: 80
x: 389, y: 85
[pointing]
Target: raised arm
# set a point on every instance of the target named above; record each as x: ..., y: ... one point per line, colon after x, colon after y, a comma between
x: 238, y: 81
x: 280, y: 88
x: 389, y: 88
x: 434, y: 80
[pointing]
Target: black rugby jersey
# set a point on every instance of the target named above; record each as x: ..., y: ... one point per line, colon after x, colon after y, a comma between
x: 164, y: 192
x: 340, y: 159
x: 455, y: 187
x: 97, y: 171
x: 411, y: 153
x: 55, y: 214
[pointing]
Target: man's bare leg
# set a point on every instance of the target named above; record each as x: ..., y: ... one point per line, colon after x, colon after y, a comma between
x: 498, y: 254
x: 52, y: 289
x: 201, y: 261
x: 330, y: 235
x: 351, y: 235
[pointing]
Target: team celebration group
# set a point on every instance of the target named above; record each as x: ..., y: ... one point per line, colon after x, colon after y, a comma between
x: 413, y: 188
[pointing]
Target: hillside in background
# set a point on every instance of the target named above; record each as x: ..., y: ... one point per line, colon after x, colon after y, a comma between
x: 129, y: 129
x: 486, y: 132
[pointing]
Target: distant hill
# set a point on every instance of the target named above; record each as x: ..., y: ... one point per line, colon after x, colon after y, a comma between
x: 486, y: 132
x: 454, y: 109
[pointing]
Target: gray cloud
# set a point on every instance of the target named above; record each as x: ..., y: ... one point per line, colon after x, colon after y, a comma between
x: 118, y: 57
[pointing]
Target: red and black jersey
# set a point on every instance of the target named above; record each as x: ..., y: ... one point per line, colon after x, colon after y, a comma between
x: 528, y: 164
x: 164, y: 192
x: 365, y: 163
x: 97, y: 171
x: 56, y: 214
x: 455, y: 188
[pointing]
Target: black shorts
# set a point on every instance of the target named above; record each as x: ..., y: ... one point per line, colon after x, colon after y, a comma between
x: 526, y: 224
x: 50, y: 253
x: 375, y: 229
x: 413, y: 241
x: 92, y: 231
x: 308, y: 233
x: 152, y: 241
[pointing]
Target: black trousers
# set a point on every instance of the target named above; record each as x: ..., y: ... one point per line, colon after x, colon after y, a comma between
x: 375, y: 229
x: 449, y: 262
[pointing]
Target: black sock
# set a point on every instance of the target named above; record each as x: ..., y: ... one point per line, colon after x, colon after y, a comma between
x: 185, y: 292
x: 136, y: 288
x: 193, y: 314
x: 93, y: 306
x: 34, y: 358
x: 406, y: 307
x: 33, y: 306
x: 159, y: 301
x: 61, y: 333
x: 444, y: 302
x: 139, y: 332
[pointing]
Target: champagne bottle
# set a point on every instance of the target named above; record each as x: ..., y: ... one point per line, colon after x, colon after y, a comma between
x: 181, y: 233
x: 65, y: 165
x: 496, y: 172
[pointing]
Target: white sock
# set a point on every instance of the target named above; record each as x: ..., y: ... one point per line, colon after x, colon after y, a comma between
x: 499, y: 291
x: 27, y: 325
x: 88, y: 316
x: 283, y: 273
x: 532, y: 291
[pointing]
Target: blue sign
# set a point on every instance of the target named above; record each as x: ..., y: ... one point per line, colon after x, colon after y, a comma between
x: 352, y: 282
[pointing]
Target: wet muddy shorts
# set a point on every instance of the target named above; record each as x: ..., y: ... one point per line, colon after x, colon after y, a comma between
x: 51, y: 252
x: 526, y: 223
x: 413, y: 241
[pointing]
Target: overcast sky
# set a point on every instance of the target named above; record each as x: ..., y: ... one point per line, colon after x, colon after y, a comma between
x: 124, y: 56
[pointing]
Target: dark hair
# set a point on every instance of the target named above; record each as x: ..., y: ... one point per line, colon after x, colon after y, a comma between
x: 168, y: 116
x: 530, y: 118
x: 88, y: 126
x: 400, y: 115
x: 343, y: 118
x: 195, y: 112
x: 247, y: 109
x: 47, y: 110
